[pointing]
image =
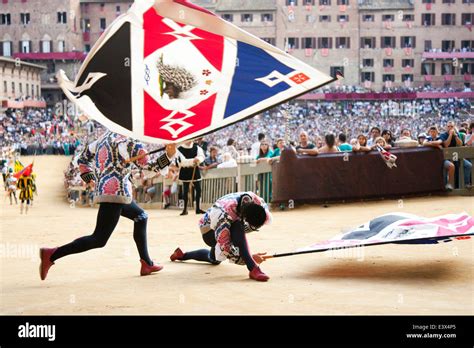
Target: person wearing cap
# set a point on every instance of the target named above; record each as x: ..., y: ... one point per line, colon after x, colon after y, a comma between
x: 224, y: 228
x: 421, y: 138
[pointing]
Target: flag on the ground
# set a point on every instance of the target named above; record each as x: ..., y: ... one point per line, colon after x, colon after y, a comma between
x: 169, y: 71
x: 27, y: 171
x: 397, y: 228
x: 402, y: 228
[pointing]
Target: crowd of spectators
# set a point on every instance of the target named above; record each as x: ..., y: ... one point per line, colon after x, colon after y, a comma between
x: 40, y: 131
x: 311, y: 127
x: 396, y: 89
x: 350, y: 118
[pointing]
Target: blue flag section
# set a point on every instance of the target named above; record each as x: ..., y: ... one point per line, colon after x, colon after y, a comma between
x: 253, y: 64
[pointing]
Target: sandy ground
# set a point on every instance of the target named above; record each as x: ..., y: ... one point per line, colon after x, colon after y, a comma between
x: 391, y: 279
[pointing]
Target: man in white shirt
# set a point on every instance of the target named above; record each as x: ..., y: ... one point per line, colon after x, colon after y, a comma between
x: 255, y: 149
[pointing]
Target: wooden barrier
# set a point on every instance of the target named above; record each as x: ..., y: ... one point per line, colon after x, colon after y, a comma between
x: 457, y: 155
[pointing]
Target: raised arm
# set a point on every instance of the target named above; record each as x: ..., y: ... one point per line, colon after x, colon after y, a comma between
x: 435, y: 143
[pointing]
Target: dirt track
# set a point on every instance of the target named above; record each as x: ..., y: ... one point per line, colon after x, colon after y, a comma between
x: 390, y: 279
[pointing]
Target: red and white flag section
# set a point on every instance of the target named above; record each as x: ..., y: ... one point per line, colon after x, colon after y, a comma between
x: 170, y: 71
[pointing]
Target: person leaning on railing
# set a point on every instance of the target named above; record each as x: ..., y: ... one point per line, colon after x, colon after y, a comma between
x: 434, y: 140
x: 265, y: 152
x: 343, y: 145
x: 305, y: 147
x: 279, y: 147
x: 451, y: 138
x: 380, y: 141
x: 212, y: 161
x: 470, y: 135
x: 330, y: 144
x: 360, y: 144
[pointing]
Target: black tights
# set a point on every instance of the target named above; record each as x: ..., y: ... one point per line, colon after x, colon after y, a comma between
x: 107, y: 219
x: 197, y: 188
x: 239, y: 239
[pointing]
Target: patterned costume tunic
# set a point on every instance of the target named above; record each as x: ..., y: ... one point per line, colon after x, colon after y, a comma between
x: 220, y: 217
x: 25, y: 184
x: 104, y: 162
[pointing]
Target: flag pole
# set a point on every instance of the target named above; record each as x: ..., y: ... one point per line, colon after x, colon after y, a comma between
x: 139, y: 157
x: 406, y: 241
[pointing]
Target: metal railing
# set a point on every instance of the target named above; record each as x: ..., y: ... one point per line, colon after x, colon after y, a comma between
x: 220, y: 182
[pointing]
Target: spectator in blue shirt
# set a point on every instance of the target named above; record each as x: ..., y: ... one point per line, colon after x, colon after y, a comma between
x: 451, y: 138
x: 434, y: 140
x: 212, y: 161
x: 344, y: 146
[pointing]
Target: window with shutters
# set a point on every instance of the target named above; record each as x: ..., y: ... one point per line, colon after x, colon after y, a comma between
x: 308, y: 42
x: 387, y: 42
x: 25, y: 18
x: 343, y: 42
x: 447, y: 45
x: 247, y: 17
x: 228, y: 17
x: 408, y: 41
x: 388, y: 63
x: 367, y: 42
x: 293, y: 43
x: 367, y: 63
x: 62, y: 17
x: 324, y: 42
x: 408, y: 63
x: 448, y: 19
x: 5, y: 19
x: 428, y: 19
x: 368, y: 18
x: 367, y: 76
x: 267, y: 17
x: 428, y: 69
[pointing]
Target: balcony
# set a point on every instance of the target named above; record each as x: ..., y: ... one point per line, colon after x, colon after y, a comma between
x: 448, y: 55
x: 51, y: 56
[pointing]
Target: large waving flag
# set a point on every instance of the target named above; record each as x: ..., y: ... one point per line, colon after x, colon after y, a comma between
x: 27, y: 171
x: 170, y: 71
x: 397, y: 228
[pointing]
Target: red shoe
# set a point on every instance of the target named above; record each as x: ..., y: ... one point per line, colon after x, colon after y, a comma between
x: 147, y: 269
x: 46, y: 263
x: 258, y: 275
x: 177, y: 255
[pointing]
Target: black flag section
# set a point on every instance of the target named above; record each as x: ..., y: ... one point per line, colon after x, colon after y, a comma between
x: 112, y: 94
